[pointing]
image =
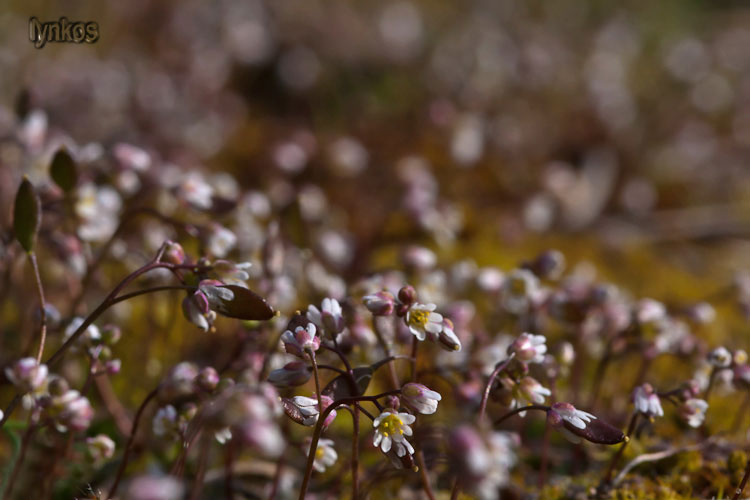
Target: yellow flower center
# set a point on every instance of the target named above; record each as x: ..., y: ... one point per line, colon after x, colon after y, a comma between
x: 319, y: 453
x: 390, y: 425
x: 419, y: 317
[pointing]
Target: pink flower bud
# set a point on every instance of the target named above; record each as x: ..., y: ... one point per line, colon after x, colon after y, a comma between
x: 380, y: 303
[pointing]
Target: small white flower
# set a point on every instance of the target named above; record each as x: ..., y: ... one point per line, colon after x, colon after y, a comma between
x: 391, y: 427
x: 196, y: 191
x: 421, y: 320
x: 530, y: 391
x: 329, y: 317
x: 646, y: 401
x: 420, y: 398
x: 720, y: 357
x: 220, y: 241
x: 310, y: 409
x: 649, y: 311
x: 27, y: 375
x: 694, y: 411
x: 529, y: 348
x: 569, y: 413
x: 223, y: 435
x: 325, y: 455
x: 301, y: 341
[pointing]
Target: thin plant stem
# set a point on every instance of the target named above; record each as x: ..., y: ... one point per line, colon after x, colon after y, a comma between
x: 419, y: 455
x: 201, y: 472
x: 711, y: 379
x: 311, y: 353
x: 414, y: 347
x: 131, y: 439
x: 456, y: 489
x: 519, y: 410
x: 499, y: 368
x: 319, y: 429
x: 386, y: 348
x: 277, y: 477
x: 355, y: 452
x: 616, y: 458
x: 42, y: 308
x: 741, y: 487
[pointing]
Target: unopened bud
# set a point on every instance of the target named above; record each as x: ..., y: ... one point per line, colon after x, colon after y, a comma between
x: 407, y: 295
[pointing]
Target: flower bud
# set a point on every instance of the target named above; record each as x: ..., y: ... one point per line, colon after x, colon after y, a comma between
x: 420, y: 398
x: 207, y: 379
x: 174, y: 254
x: 179, y: 383
x: 720, y: 357
x: 111, y: 334
x: 407, y: 295
x: 113, y: 366
x: 99, y: 448
x: 380, y: 303
x: 292, y: 374
x: 26, y: 374
x: 57, y: 386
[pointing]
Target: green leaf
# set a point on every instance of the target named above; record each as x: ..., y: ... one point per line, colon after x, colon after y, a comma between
x: 63, y: 170
x: 27, y: 215
x: 245, y: 305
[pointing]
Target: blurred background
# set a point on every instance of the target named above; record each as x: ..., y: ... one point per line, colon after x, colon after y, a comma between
x: 616, y: 132
x: 628, y: 124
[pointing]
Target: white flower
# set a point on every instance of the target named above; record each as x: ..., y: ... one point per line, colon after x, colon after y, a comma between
x: 647, y: 401
x: 220, y: 241
x: 301, y: 341
x: 27, y: 375
x: 420, y: 398
x: 529, y: 348
x: 329, y: 317
x: 196, y: 191
x: 391, y: 427
x: 569, y: 413
x: 650, y: 311
x: 325, y: 454
x: 310, y: 409
x: 223, y: 435
x: 694, y: 411
x: 421, y: 319
x: 720, y: 357
x: 530, y: 391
